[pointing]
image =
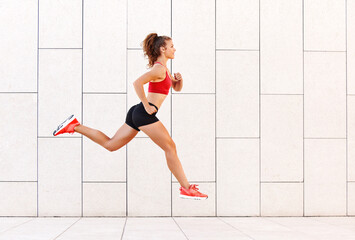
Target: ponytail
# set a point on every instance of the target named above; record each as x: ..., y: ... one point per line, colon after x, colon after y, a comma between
x: 151, y: 46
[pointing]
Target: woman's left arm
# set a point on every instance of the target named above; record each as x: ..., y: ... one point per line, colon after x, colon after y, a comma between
x: 177, y: 82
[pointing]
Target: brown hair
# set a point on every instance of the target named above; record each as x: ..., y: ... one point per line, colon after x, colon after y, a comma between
x: 151, y: 46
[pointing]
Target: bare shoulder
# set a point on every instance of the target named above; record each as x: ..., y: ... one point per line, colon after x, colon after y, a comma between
x: 158, y: 72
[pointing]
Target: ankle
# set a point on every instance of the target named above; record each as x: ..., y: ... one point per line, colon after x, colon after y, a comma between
x: 76, y: 127
x: 187, y: 186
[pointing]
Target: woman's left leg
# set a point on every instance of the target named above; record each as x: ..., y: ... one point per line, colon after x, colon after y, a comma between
x: 123, y: 136
x: 159, y: 134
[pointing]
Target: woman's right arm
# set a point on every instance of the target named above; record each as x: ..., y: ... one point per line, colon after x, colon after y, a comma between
x: 156, y: 73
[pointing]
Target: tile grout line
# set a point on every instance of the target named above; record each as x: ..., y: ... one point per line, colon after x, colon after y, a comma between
x: 60, y: 48
x: 235, y: 228
x: 124, y: 227
x: 171, y: 109
x: 303, y: 141
x: 215, y: 103
x: 178, y: 224
x: 16, y: 182
x: 237, y: 137
x: 82, y: 107
x: 346, y: 105
x: 126, y: 111
x: 15, y: 226
x: 19, y: 92
x: 104, y: 92
x: 321, y: 51
x: 236, y: 50
x: 37, y: 97
x: 259, y: 117
x: 70, y: 225
x: 58, y: 137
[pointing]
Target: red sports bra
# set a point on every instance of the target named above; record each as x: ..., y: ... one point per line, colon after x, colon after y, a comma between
x: 162, y: 86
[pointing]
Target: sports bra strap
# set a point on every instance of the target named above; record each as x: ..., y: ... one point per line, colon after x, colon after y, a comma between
x: 159, y: 63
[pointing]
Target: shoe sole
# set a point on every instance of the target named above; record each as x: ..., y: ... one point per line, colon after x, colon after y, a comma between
x: 190, y: 197
x: 63, y: 124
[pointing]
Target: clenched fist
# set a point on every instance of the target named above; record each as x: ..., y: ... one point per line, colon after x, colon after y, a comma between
x: 177, y: 76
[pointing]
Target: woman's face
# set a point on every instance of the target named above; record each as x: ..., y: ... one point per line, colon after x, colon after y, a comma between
x: 170, y: 50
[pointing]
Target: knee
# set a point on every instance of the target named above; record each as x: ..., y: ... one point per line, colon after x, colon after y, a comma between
x: 170, y: 147
x: 110, y: 147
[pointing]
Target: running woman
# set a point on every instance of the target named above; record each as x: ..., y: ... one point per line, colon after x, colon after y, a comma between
x: 142, y: 116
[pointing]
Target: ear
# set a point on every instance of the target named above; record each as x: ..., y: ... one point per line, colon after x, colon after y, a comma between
x: 162, y: 49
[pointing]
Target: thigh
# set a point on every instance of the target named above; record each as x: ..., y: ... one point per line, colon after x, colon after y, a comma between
x: 158, y: 133
x: 123, y: 136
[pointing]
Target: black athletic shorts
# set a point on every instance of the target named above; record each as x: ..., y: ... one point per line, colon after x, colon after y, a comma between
x: 137, y: 116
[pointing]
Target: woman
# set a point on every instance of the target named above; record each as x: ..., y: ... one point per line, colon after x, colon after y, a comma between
x: 142, y: 116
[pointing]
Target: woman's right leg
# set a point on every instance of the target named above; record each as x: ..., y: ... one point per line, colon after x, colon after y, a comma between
x: 158, y: 133
x: 123, y: 136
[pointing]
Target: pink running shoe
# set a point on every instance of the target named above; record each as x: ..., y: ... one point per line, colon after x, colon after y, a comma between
x: 67, y: 126
x: 192, y: 193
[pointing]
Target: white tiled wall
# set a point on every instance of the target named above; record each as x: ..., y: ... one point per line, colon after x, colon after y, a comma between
x: 281, y: 138
x: 104, y: 70
x: 98, y: 163
x: 281, y: 50
x: 282, y: 199
x: 148, y: 180
x: 325, y: 95
x: 325, y: 25
x: 264, y: 123
x: 325, y: 177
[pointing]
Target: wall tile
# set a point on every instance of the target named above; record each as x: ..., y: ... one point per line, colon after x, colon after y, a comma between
x: 351, y: 138
x: 281, y: 47
x: 137, y: 66
x: 325, y: 177
x: 281, y: 138
x: 351, y: 198
x: 59, y: 177
x: 105, y: 43
x: 154, y: 16
x: 238, y: 166
x: 148, y: 179
x: 324, y: 25
x: 195, y: 49
x: 351, y: 46
x: 18, y: 46
x: 194, y: 135
x: 187, y: 207
x: 237, y: 94
x: 18, y: 137
x: 324, y: 95
x: 60, y: 24
x: 281, y: 199
x: 104, y: 199
x: 243, y: 15
x: 18, y: 199
x: 60, y: 89
x: 106, y: 113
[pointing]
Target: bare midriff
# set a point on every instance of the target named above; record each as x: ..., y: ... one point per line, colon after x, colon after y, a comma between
x: 156, y: 98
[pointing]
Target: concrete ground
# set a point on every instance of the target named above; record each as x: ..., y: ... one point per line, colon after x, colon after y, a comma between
x: 169, y: 228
